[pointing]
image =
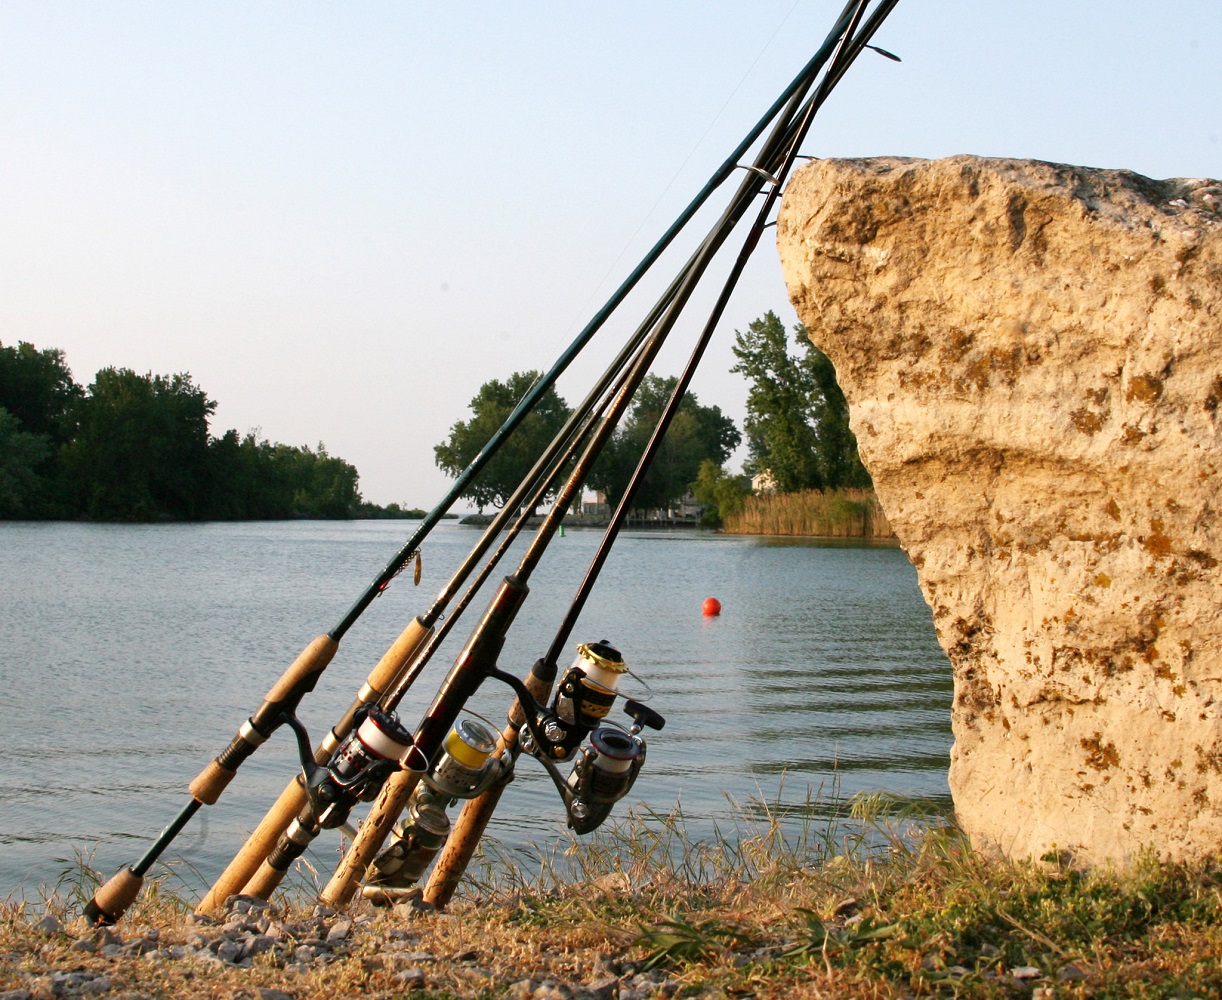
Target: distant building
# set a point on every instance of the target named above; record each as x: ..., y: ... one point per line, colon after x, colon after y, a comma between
x: 762, y: 482
x: 595, y: 505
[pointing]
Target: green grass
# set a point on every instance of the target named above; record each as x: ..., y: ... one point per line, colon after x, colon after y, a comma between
x: 880, y: 899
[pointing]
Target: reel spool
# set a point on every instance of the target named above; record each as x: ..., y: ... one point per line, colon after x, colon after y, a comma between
x: 584, y: 697
x: 465, y: 767
x: 586, y: 692
x: 602, y: 774
x: 378, y: 746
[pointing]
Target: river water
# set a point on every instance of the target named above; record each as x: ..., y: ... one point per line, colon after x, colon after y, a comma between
x: 129, y: 654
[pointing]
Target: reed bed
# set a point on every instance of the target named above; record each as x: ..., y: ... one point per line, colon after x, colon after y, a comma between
x: 832, y: 514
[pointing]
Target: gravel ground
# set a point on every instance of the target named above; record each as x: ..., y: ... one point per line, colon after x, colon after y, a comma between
x: 262, y: 953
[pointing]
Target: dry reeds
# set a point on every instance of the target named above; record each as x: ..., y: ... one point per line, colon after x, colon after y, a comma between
x: 833, y: 514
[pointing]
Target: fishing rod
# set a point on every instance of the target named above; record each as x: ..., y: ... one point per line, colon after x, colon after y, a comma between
x: 467, y: 831
x: 237, y: 876
x: 417, y: 841
x: 112, y: 899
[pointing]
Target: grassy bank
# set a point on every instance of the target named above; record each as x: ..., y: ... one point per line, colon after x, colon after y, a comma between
x: 864, y: 910
x: 834, y: 514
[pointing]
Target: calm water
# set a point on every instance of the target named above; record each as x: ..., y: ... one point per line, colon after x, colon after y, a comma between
x: 130, y: 654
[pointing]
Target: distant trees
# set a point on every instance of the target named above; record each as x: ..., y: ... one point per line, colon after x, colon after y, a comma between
x: 22, y: 455
x: 719, y: 493
x: 37, y: 388
x: 697, y: 434
x: 37, y: 416
x: 490, y: 407
x: 138, y: 447
x: 797, y: 418
x: 262, y: 480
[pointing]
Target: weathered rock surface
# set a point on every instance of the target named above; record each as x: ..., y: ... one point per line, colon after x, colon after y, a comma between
x: 1032, y: 354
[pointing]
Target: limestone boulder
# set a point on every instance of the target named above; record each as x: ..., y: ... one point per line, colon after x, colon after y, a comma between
x: 1032, y: 354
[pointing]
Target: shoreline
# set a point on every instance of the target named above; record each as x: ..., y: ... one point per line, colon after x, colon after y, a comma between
x: 916, y: 913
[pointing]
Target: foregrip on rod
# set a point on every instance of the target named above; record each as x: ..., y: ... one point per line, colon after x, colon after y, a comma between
x: 476, y: 813
x: 292, y: 800
x: 478, y: 657
x: 284, y: 696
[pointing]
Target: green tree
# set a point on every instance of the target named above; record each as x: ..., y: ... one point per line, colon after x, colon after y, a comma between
x: 518, y: 453
x: 719, y: 493
x: 22, y: 456
x: 797, y: 417
x: 141, y: 447
x: 252, y: 478
x: 697, y: 434
x: 37, y: 388
x: 39, y: 395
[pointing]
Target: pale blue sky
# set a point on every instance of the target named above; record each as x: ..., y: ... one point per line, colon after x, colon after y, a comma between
x: 342, y: 218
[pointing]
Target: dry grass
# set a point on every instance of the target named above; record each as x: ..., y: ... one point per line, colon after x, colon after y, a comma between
x: 834, y: 514
x: 873, y: 906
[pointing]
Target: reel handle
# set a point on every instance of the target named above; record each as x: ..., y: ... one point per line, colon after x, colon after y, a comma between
x: 644, y: 716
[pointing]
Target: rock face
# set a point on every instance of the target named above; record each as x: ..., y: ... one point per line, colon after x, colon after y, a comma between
x: 1032, y: 354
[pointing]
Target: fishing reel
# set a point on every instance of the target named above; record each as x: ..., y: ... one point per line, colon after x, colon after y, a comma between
x: 464, y: 769
x: 605, y: 769
x: 378, y: 746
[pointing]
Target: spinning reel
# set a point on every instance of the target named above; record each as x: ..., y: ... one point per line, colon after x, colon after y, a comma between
x: 464, y: 769
x: 602, y: 773
x: 604, y: 770
x: 378, y: 746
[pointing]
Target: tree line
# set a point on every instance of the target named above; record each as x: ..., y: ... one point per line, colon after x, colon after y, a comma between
x: 138, y: 447
x: 797, y: 432
x: 135, y: 447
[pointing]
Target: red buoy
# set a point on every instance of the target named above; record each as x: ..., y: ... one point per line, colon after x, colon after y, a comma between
x: 712, y: 607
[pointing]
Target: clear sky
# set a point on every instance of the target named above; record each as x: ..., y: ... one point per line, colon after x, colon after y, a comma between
x: 342, y: 218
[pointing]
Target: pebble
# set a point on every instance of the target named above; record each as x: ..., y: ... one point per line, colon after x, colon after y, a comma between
x: 230, y: 951
x: 79, y: 983
x: 606, y: 988
x: 49, y: 925
x: 339, y: 931
x: 260, y: 944
x: 412, y: 979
